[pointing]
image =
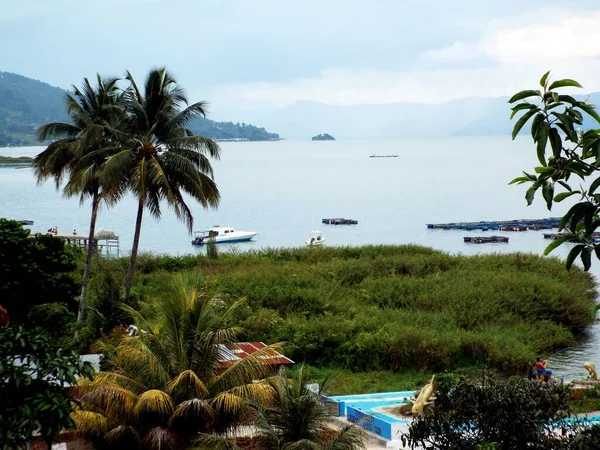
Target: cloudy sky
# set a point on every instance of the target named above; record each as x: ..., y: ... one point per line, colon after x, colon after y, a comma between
x: 252, y: 55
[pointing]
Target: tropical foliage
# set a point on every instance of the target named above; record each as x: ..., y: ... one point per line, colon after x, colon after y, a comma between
x: 34, y: 270
x: 79, y: 151
x: 396, y: 308
x: 35, y: 375
x: 170, y: 382
x: 297, y: 419
x: 569, y: 161
x: 160, y: 159
x: 500, y: 414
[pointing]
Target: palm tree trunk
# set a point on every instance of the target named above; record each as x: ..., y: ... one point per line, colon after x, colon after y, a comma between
x: 88, y: 257
x: 134, y: 249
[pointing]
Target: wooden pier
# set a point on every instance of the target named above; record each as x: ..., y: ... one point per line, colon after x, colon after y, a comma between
x: 486, y: 239
x: 383, y: 156
x: 501, y: 225
x: 107, y: 243
x: 339, y: 221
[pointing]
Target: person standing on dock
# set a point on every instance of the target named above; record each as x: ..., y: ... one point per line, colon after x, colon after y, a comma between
x: 74, y: 232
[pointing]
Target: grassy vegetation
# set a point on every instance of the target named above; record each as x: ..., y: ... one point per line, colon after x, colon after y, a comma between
x: 401, y: 309
x: 17, y: 161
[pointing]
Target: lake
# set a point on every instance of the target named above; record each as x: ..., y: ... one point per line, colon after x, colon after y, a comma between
x: 283, y: 189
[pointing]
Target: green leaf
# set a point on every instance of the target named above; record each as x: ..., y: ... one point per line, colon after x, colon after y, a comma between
x: 568, y: 215
x: 575, y: 251
x: 519, y: 180
x: 589, y: 109
x: 555, y: 142
x: 537, y: 120
x: 568, y: 99
x: 560, y: 197
x: 530, y: 194
x: 544, y: 79
x: 594, y: 185
x: 521, y: 106
x: 542, y: 137
x: 557, y: 242
x: 524, y: 94
x: 564, y: 83
x: 586, y: 258
x: 522, y: 121
x: 548, y: 193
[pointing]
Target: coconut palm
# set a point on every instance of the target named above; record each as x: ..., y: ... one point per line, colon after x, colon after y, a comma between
x: 80, y: 149
x: 296, y: 419
x: 299, y: 420
x: 170, y: 382
x: 161, y: 159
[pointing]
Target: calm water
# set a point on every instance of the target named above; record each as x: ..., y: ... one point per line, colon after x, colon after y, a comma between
x: 283, y: 189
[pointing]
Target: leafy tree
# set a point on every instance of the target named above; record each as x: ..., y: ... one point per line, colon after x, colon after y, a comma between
x: 506, y: 415
x: 35, y: 375
x: 81, y: 148
x: 34, y: 270
x: 565, y: 152
x: 161, y: 159
x: 169, y: 382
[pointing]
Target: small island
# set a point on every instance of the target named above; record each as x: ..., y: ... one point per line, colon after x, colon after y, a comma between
x: 323, y: 137
x: 15, y: 161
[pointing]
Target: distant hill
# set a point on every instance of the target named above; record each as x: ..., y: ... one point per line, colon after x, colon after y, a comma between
x: 472, y: 116
x: 25, y: 104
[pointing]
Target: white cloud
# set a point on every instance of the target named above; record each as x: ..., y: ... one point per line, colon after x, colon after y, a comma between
x: 505, y: 58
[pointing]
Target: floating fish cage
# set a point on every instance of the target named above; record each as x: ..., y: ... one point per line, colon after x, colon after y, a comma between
x: 339, y: 221
x: 486, y: 239
x: 502, y: 225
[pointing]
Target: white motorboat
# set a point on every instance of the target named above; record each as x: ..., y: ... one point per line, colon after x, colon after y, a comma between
x: 316, y: 238
x: 222, y: 234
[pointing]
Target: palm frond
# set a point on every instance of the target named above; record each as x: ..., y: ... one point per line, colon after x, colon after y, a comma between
x: 162, y: 438
x: 123, y: 437
x: 90, y: 424
x: 117, y: 403
x: 350, y: 437
x: 57, y: 130
x: 186, y: 386
x: 154, y: 402
x: 206, y: 441
x: 303, y: 444
x: 193, y: 416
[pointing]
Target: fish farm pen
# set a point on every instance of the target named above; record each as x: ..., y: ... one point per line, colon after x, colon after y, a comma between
x: 485, y: 239
x: 339, y: 221
x: 554, y: 236
x: 500, y: 225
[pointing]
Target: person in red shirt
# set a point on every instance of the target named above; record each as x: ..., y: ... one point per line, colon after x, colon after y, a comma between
x: 541, y: 367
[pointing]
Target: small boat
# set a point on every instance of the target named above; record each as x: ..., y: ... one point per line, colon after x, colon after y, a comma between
x: 222, y: 234
x: 316, y: 238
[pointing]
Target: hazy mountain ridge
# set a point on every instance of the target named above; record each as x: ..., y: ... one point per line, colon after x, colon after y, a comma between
x: 471, y: 116
x: 25, y: 104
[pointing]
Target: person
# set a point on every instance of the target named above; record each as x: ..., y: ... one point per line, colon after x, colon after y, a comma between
x: 74, y: 232
x: 541, y: 367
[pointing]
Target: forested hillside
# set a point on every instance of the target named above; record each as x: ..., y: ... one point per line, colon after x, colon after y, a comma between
x: 25, y: 104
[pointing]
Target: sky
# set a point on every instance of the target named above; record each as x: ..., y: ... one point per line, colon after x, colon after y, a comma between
x: 262, y: 55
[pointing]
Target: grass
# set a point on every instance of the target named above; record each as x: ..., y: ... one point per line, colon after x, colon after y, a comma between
x: 398, y: 311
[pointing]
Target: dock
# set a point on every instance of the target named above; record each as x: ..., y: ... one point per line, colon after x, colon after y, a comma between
x: 107, y: 243
x: 339, y: 221
x: 383, y: 156
x: 486, y: 239
x: 500, y: 225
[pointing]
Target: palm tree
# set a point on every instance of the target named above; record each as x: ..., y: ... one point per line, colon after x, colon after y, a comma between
x: 298, y: 419
x: 81, y: 148
x: 160, y: 158
x: 170, y: 382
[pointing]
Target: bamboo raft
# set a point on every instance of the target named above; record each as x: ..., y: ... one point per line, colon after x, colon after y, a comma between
x: 339, y: 221
x: 501, y: 225
x: 485, y: 239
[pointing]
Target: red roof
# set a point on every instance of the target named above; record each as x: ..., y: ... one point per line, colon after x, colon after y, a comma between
x: 231, y: 353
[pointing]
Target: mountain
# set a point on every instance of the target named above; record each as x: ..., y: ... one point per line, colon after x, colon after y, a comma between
x: 470, y: 116
x: 25, y: 104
